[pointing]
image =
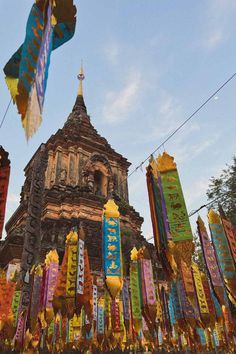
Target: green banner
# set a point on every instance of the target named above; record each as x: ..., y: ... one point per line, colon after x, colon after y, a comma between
x: 177, y: 215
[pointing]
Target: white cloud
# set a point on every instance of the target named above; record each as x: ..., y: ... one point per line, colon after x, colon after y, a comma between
x: 187, y: 152
x: 118, y: 104
x: 219, y: 22
x: 214, y: 39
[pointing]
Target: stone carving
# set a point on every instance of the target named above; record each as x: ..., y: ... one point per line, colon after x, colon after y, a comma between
x: 32, y: 237
x: 63, y: 176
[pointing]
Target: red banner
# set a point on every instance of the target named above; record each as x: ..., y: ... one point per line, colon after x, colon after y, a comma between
x: 4, y: 180
x: 230, y: 236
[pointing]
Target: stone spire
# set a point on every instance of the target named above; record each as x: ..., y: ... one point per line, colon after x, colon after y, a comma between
x: 79, y: 103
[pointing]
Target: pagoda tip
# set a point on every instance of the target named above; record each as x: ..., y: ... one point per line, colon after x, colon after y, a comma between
x: 81, y: 78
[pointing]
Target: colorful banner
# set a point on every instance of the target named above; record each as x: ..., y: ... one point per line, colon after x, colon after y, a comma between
x: 202, y: 302
x: 4, y: 180
x: 221, y: 246
x: 72, y: 241
x: 80, y: 268
x: 35, y: 299
x: 112, y: 248
x: 33, y: 116
x: 228, y: 228
x: 112, y: 252
x: 135, y: 287
x: 177, y: 214
x: 100, y: 318
x: 187, y: 309
x: 26, y: 72
x: 187, y: 278
x: 148, y: 289
x: 156, y: 204
x: 180, y: 228
x: 209, y: 255
x: 176, y: 303
x: 126, y: 302
x: 41, y: 73
x: 223, y: 252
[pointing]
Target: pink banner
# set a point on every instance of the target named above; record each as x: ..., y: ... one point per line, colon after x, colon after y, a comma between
x: 149, y: 288
x: 209, y: 254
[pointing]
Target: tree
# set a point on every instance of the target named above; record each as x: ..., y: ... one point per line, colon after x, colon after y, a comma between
x: 222, y: 191
x: 198, y: 254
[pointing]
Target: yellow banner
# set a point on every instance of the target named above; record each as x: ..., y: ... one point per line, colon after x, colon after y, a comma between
x: 199, y: 289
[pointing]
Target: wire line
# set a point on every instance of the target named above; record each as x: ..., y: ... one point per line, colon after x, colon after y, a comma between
x: 181, y: 125
x: 5, y: 114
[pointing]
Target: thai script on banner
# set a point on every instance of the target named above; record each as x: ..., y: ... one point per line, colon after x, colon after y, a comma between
x: 180, y: 228
x: 220, y: 241
x: 199, y: 290
x: 80, y: 268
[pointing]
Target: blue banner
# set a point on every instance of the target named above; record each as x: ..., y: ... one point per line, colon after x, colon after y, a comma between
x: 111, y: 247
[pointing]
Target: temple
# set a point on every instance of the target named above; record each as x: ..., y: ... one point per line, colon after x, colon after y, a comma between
x: 82, y: 172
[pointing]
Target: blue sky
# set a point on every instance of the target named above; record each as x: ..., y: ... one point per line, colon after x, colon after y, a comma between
x: 148, y: 65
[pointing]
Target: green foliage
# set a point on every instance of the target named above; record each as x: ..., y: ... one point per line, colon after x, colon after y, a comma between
x: 223, y: 189
x: 198, y: 254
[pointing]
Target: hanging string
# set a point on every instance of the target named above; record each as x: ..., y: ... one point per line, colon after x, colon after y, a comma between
x: 5, y: 114
x: 181, y: 126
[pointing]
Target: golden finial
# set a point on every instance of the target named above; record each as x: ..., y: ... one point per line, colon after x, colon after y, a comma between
x: 165, y: 163
x: 213, y: 217
x: 201, y: 224
x: 81, y: 78
x: 111, y: 210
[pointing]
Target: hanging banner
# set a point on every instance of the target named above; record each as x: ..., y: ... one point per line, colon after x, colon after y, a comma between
x: 201, y: 335
x: 115, y: 316
x: 171, y: 310
x: 35, y: 298
x: 112, y: 248
x: 6, y: 295
x: 100, y: 318
x: 148, y: 289
x: 80, y: 271
x: 176, y: 302
x: 228, y: 228
x: 26, y: 72
x: 217, y: 307
x: 33, y: 117
x: 125, y: 300
x: 72, y: 241
x: 187, y: 309
x: 15, y: 305
x: 177, y: 214
x: 199, y: 290
x: 4, y: 181
x: 95, y: 302
x: 155, y: 202
x: 88, y: 288
x: 210, y: 260
x: 60, y: 291
x: 209, y: 300
x: 52, y: 263
x: 135, y: 296
x: 187, y: 279
x: 223, y: 252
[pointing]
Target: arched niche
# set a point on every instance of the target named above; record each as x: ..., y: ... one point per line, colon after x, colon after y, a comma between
x: 98, y: 175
